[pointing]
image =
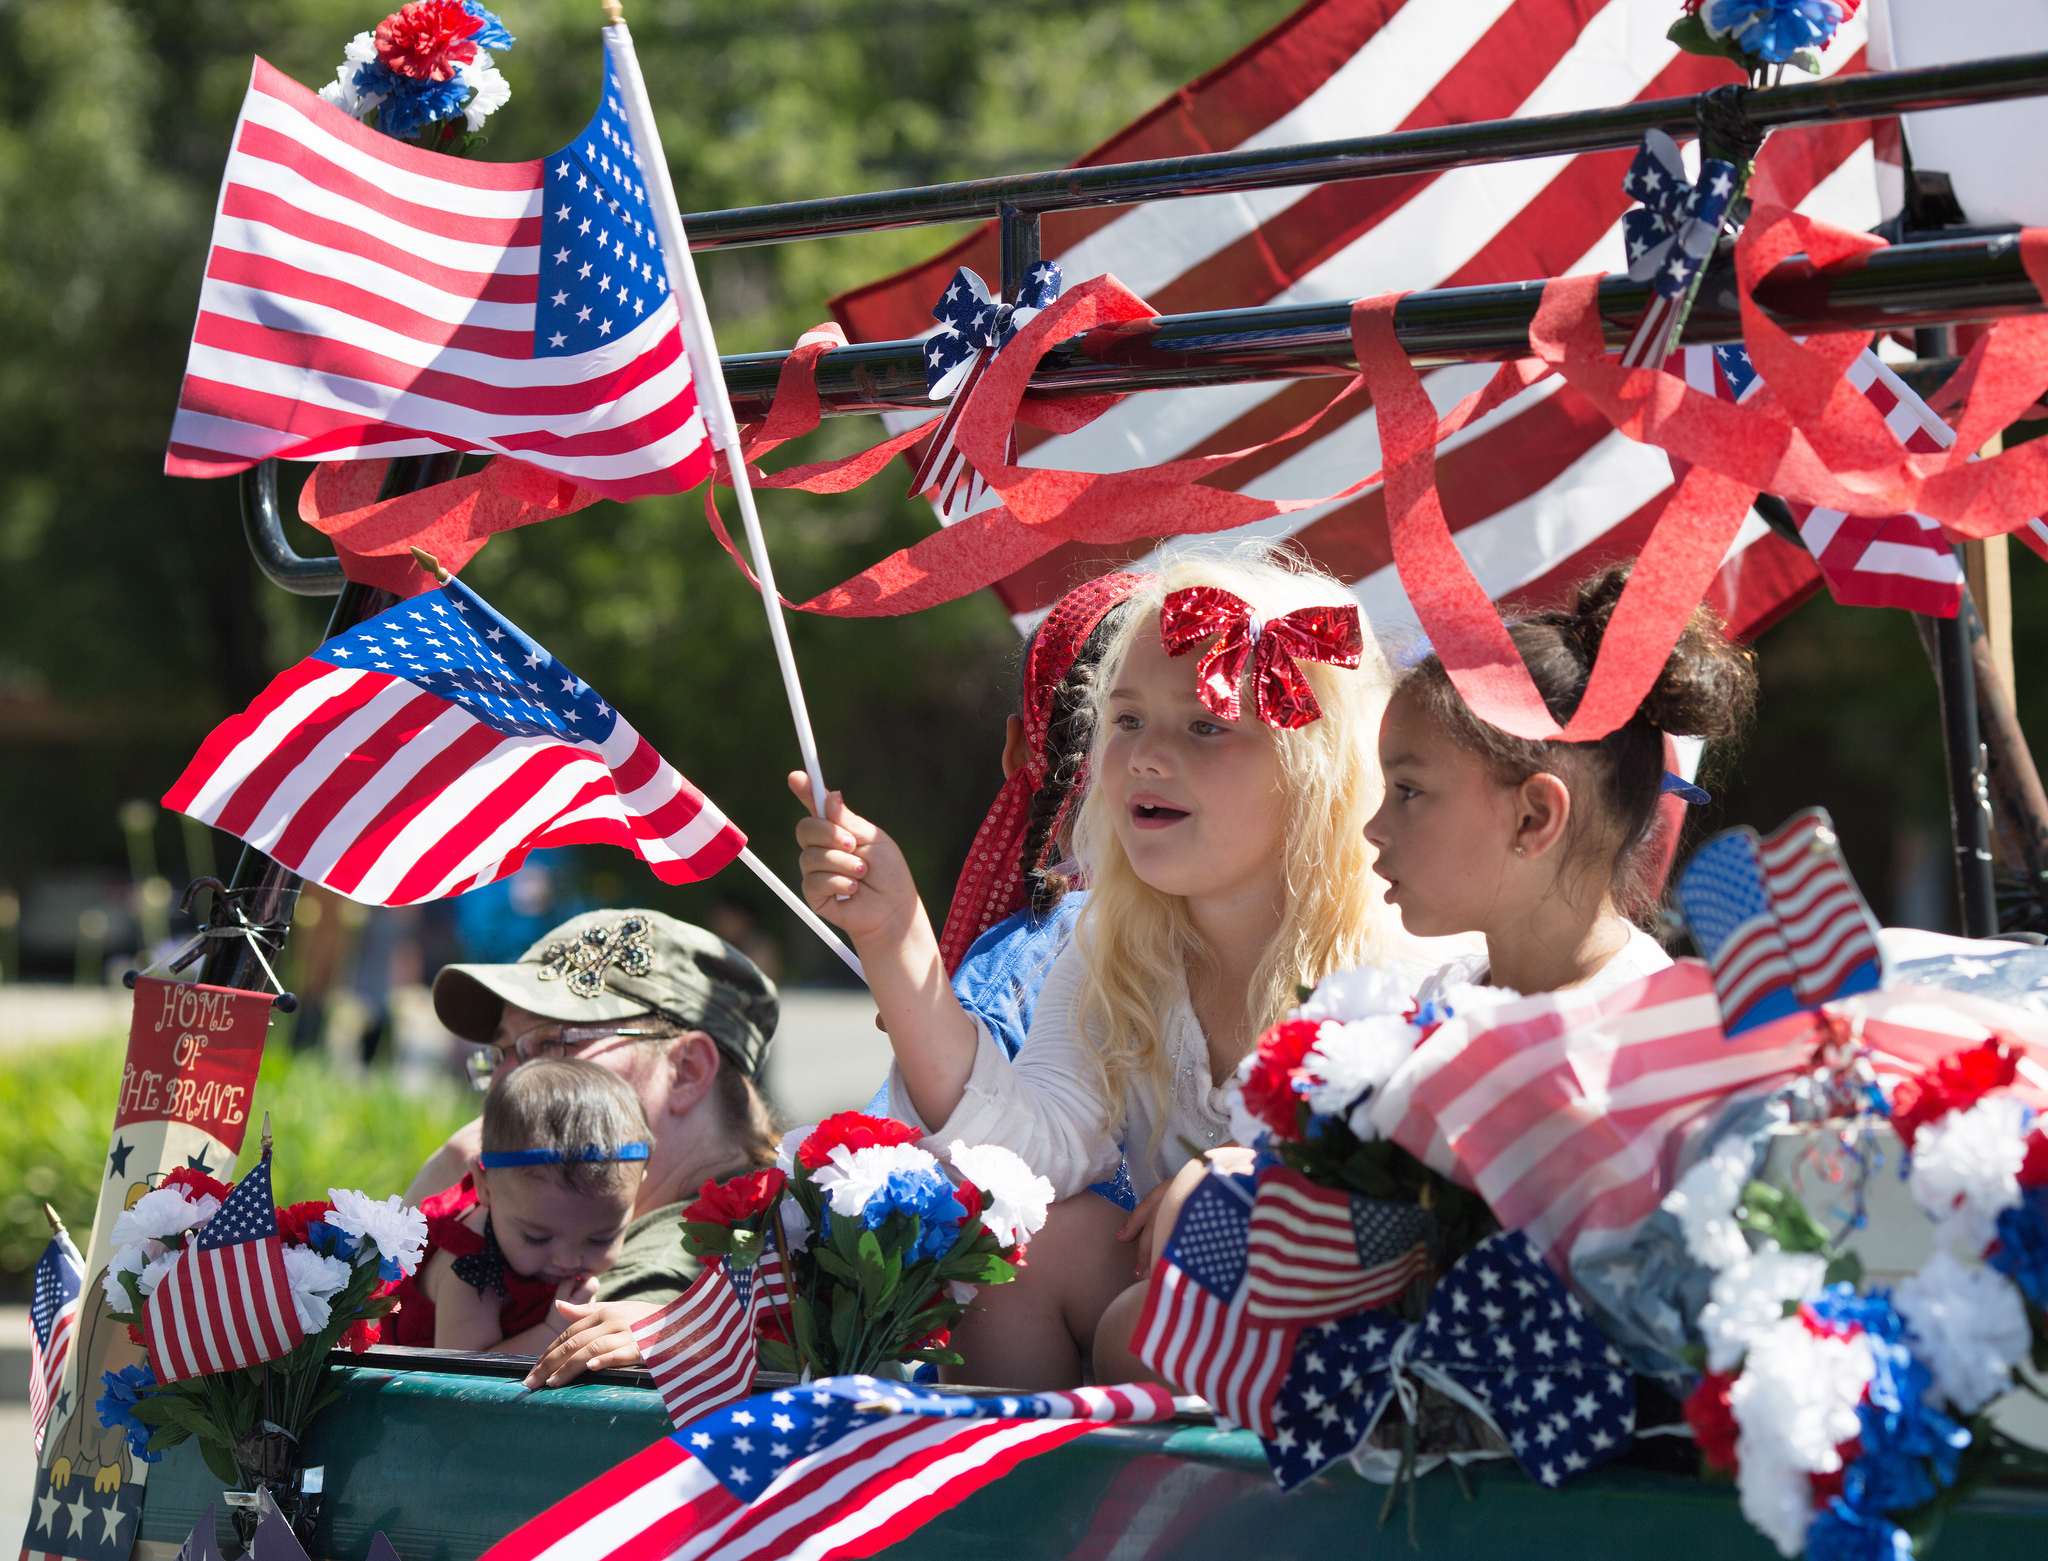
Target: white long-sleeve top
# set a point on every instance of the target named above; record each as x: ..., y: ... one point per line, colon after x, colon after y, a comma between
x: 1048, y: 1106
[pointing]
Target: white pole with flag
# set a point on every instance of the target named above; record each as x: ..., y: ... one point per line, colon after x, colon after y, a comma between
x: 705, y: 369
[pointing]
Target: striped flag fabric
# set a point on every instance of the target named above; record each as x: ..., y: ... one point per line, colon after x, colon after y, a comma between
x: 700, y: 1347
x: 1544, y: 491
x: 1727, y: 906
x: 427, y: 751
x: 1196, y: 1329
x: 52, y: 1318
x: 365, y: 298
x: 1566, y: 1111
x: 1829, y: 932
x: 838, y: 1468
x: 225, y: 1302
x: 1317, y: 1252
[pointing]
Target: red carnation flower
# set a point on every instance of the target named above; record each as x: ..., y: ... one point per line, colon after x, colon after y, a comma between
x: 855, y: 1130
x: 1956, y: 1083
x: 197, y: 1184
x: 741, y: 1198
x: 770, y: 1327
x: 971, y: 1200
x: 293, y: 1219
x: 1269, y: 1091
x: 1712, y: 1419
x: 937, y: 1339
x: 1826, y: 1487
x: 2034, y: 1172
x: 428, y: 39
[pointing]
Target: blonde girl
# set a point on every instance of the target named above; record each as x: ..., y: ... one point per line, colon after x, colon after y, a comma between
x: 1222, y: 842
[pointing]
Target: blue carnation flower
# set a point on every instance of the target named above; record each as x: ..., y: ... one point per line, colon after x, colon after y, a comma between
x: 117, y: 1407
x: 928, y: 1198
x: 1843, y: 1534
x: 1774, y: 30
x: 2022, y: 1251
x: 411, y: 104
x: 494, y: 35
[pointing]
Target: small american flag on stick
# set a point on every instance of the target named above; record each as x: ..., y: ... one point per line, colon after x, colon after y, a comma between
x: 1318, y: 1252
x: 52, y: 1317
x: 700, y: 1347
x: 427, y: 751
x: 226, y: 1301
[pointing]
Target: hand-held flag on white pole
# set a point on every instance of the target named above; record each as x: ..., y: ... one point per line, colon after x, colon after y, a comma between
x: 427, y: 751
x: 226, y: 1301
x: 52, y: 1317
x: 840, y: 1468
x: 364, y: 297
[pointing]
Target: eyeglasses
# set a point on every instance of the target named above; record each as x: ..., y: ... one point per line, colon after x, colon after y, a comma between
x: 545, y: 1040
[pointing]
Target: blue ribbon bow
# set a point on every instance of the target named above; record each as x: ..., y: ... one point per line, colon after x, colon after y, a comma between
x: 1501, y: 1335
x: 971, y: 322
x: 1672, y: 232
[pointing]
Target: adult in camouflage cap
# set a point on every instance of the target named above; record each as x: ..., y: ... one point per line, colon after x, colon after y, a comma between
x: 678, y: 1013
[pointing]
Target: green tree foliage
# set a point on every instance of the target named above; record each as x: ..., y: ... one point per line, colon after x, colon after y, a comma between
x: 130, y: 615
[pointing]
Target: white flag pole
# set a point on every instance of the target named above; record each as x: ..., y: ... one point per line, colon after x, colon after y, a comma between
x: 713, y: 402
x: 809, y: 917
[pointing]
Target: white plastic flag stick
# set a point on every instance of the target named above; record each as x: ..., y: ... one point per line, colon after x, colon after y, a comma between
x: 810, y: 917
x: 712, y: 400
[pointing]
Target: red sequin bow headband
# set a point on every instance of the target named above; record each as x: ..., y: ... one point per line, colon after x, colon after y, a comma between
x: 1284, y: 699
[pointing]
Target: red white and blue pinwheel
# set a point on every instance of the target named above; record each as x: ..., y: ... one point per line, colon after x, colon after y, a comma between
x: 973, y: 328
x: 1670, y: 235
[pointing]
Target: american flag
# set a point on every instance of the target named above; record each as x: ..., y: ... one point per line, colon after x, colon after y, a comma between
x: 225, y: 1302
x: 52, y: 1317
x: 365, y: 298
x: 1565, y: 1111
x: 1867, y: 560
x: 427, y: 751
x: 700, y: 1347
x: 1318, y: 1252
x: 1196, y: 1329
x: 838, y: 1468
x: 1780, y: 920
x: 1541, y: 493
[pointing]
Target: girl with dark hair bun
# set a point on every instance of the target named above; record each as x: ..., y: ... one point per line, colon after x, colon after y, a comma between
x: 1544, y: 847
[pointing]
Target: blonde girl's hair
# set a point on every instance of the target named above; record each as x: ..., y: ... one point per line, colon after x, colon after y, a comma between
x: 1137, y: 944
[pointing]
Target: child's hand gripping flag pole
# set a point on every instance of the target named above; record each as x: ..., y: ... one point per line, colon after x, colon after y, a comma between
x: 713, y: 400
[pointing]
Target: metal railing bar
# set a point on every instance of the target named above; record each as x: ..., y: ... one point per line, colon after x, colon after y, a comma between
x: 282, y: 565
x: 1432, y: 150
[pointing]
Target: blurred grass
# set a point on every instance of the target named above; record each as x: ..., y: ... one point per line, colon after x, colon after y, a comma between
x: 331, y: 1130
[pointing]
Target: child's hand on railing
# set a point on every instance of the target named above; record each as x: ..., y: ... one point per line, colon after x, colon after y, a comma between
x: 595, y: 1337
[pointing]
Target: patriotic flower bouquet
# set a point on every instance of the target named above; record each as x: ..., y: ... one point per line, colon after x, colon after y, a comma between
x: 1851, y: 1421
x: 1304, y: 1097
x: 339, y: 1260
x: 1761, y: 34
x: 881, y: 1247
x: 426, y: 73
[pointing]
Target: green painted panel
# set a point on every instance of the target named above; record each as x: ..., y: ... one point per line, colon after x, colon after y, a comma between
x: 447, y: 1464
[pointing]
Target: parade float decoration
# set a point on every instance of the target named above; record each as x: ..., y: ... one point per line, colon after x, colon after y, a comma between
x: 241, y: 1306
x: 426, y: 75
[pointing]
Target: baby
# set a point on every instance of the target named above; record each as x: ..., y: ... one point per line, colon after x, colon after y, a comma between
x: 541, y: 1214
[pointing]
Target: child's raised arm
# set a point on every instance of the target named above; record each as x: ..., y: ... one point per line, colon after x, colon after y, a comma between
x: 855, y: 877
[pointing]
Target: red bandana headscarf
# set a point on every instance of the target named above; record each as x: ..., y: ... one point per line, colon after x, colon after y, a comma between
x: 992, y: 884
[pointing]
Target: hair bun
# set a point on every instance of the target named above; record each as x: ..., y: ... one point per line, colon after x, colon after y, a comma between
x: 1708, y: 685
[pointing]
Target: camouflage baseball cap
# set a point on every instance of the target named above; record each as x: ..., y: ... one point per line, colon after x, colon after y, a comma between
x: 616, y: 965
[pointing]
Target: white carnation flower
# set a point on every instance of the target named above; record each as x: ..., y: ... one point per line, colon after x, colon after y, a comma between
x: 492, y: 91
x: 1966, y: 1169
x: 168, y: 1211
x: 1704, y: 1204
x: 796, y: 1225
x: 361, y: 50
x: 1748, y: 1300
x: 1346, y: 995
x: 1969, y: 1327
x: 1245, y: 1128
x: 315, y: 1280
x: 1794, y: 1403
x: 347, y: 91
x: 1352, y: 1061
x: 1014, y: 1198
x: 398, y: 1230
x: 853, y: 1176
x: 785, y: 1154
x: 146, y: 1259
x: 961, y: 1294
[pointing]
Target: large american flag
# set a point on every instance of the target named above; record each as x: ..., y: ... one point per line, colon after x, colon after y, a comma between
x: 1313, y: 1252
x: 427, y: 751
x: 1566, y: 1112
x: 225, y: 1302
x: 700, y: 1347
x: 52, y: 1318
x: 1542, y: 492
x: 838, y: 1468
x: 368, y: 298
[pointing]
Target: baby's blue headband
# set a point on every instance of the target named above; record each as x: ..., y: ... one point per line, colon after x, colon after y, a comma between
x: 510, y: 1157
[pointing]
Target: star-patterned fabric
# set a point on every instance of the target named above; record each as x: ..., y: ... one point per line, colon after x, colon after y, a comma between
x: 1501, y: 1327
x: 601, y: 268
x: 971, y: 320
x: 1673, y: 231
